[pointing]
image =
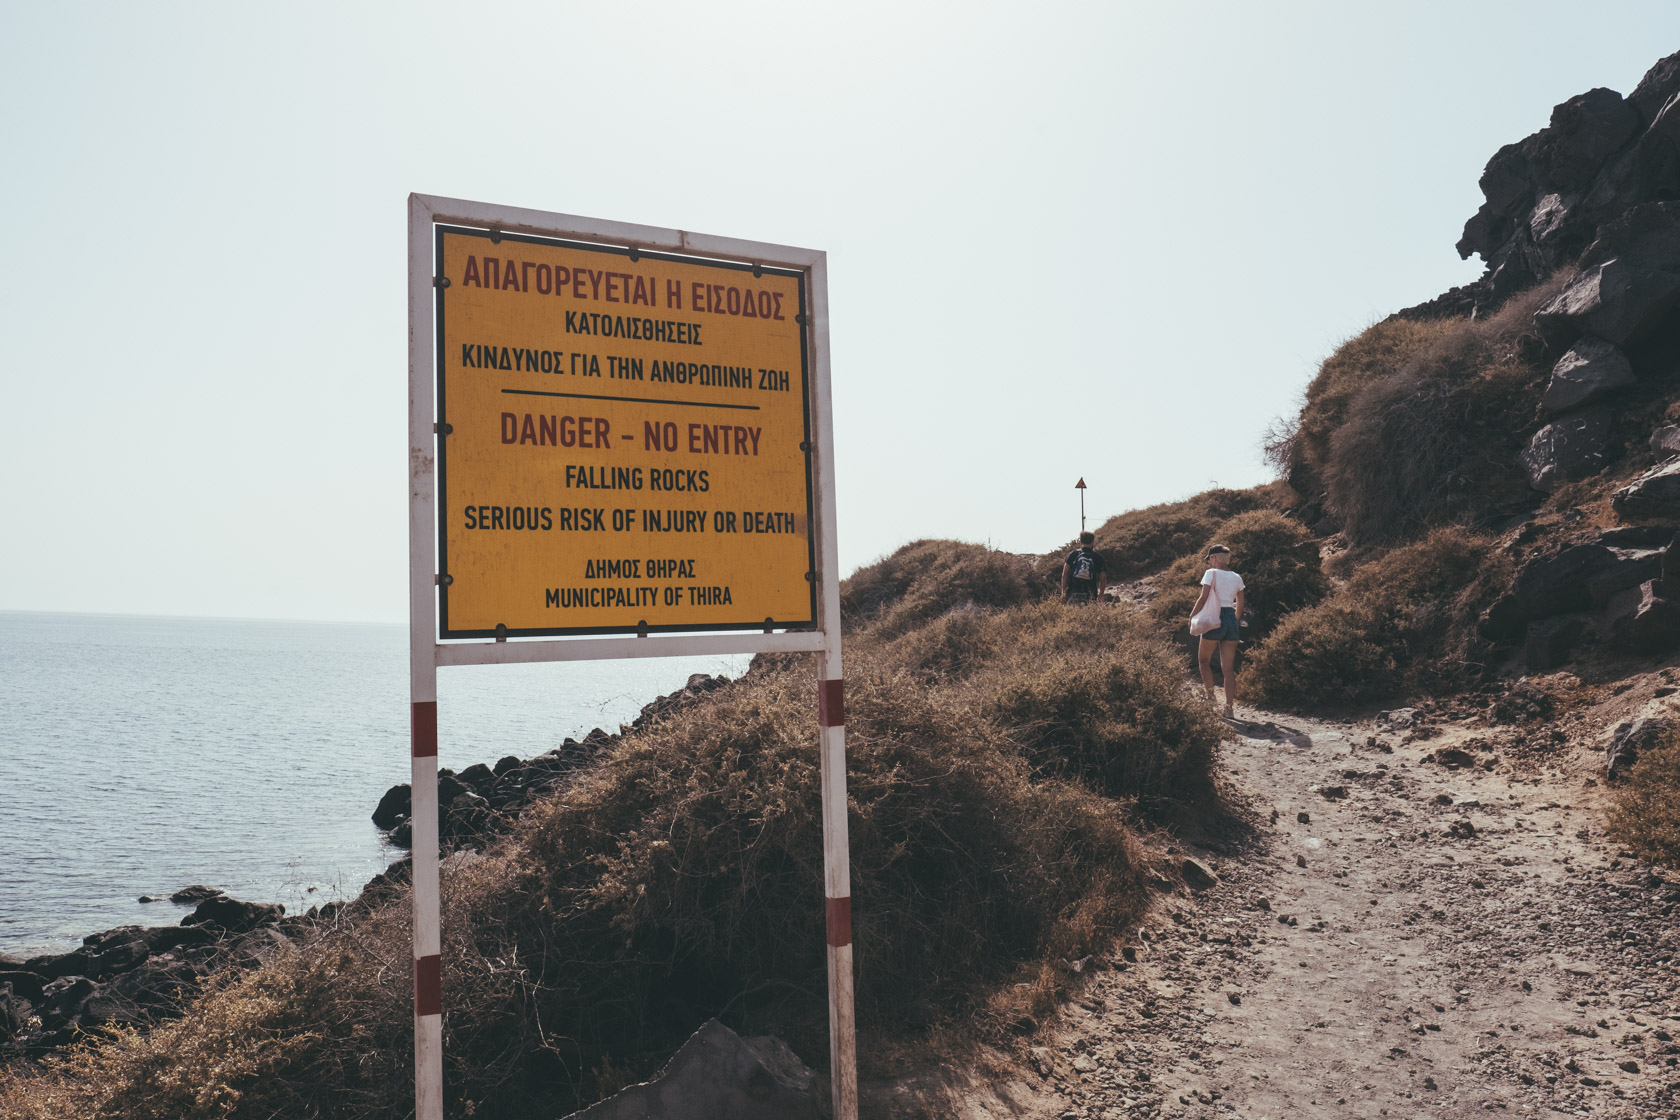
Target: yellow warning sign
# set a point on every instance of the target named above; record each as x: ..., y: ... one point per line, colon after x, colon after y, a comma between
x: 623, y: 441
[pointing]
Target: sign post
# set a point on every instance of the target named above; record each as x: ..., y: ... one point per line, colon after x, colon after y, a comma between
x: 1080, y: 486
x: 620, y: 445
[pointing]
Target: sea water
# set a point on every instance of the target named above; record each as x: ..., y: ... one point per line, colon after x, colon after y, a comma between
x: 142, y: 755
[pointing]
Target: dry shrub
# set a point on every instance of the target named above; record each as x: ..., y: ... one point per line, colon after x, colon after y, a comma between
x: 1301, y: 450
x: 1435, y: 437
x: 689, y: 867
x: 1277, y: 558
x: 322, y: 1029
x: 1143, y: 541
x: 1405, y: 620
x: 1645, y: 810
x: 1089, y: 693
x: 926, y: 578
x: 679, y: 878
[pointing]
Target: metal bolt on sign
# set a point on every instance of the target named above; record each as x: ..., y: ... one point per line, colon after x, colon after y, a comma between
x: 555, y: 350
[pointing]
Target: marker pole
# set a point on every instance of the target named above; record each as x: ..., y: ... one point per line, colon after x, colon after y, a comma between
x: 831, y: 734
x: 422, y: 666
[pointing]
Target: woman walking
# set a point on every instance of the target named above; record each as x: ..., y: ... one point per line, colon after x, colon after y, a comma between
x: 1221, y: 588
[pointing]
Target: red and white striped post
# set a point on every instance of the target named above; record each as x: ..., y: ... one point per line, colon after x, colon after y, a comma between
x: 422, y: 666
x: 831, y: 720
x: 837, y: 884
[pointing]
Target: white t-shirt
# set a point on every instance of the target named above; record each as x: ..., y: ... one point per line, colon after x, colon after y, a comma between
x: 1226, y: 584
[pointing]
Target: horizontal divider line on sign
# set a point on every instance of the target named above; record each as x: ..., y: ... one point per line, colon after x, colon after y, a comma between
x: 632, y: 400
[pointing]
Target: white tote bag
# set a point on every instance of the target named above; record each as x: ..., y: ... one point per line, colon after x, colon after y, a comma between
x: 1207, y: 618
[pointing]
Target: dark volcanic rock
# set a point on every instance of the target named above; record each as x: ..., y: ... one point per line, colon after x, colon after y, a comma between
x: 1643, y: 619
x: 393, y: 807
x: 1567, y: 449
x: 76, y: 963
x: 15, y: 1011
x: 1665, y: 442
x: 232, y: 915
x: 62, y: 999
x: 1550, y: 195
x: 477, y: 777
x: 449, y: 787
x: 1549, y: 643
x: 1629, y: 740
x: 1654, y: 495
x: 1629, y: 279
x: 1589, y: 370
x: 718, y: 1075
x: 1624, y: 568
x: 119, y: 958
x: 192, y: 896
x: 1576, y: 578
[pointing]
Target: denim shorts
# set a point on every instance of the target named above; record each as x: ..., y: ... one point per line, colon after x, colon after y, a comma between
x: 1229, y: 628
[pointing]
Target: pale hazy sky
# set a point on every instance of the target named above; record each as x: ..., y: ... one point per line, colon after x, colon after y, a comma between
x: 1099, y: 240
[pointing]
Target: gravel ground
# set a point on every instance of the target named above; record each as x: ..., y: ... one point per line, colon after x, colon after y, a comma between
x: 1386, y: 935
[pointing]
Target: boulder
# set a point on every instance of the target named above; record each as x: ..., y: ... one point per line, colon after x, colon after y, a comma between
x: 192, y: 896
x: 76, y: 963
x: 119, y: 958
x: 1569, y: 448
x: 1197, y: 875
x: 1642, y: 619
x: 718, y: 1075
x: 1637, y: 536
x: 507, y: 763
x: 62, y: 1000
x: 1629, y: 740
x: 1653, y: 496
x: 449, y: 787
x: 1549, y: 643
x: 1397, y: 718
x: 14, y: 1013
x: 477, y: 777
x: 1578, y: 578
x: 1589, y: 370
x: 1623, y: 568
x: 159, y: 983
x: 397, y: 804
x: 25, y: 984
x: 1628, y: 279
x: 233, y: 916
x: 1665, y: 442
x: 1557, y: 584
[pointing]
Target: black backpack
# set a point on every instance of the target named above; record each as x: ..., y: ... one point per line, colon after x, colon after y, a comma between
x: 1084, y: 565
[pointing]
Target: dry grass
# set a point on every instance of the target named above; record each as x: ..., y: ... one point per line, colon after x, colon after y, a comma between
x: 1410, y: 425
x: 681, y: 878
x: 1645, y: 808
x: 1404, y: 621
x: 1091, y: 694
x: 926, y: 578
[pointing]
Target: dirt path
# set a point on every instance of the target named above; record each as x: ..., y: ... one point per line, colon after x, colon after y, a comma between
x: 1366, y: 954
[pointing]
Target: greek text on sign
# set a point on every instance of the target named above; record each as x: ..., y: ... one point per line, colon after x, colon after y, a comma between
x: 623, y: 441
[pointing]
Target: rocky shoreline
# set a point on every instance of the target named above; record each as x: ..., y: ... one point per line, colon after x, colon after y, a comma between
x: 137, y: 975
x: 482, y: 802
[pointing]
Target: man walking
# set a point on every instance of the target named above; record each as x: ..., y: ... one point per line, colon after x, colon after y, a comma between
x: 1084, y: 575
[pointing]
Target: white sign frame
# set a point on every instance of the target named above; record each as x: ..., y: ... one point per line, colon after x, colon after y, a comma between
x: 427, y: 653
